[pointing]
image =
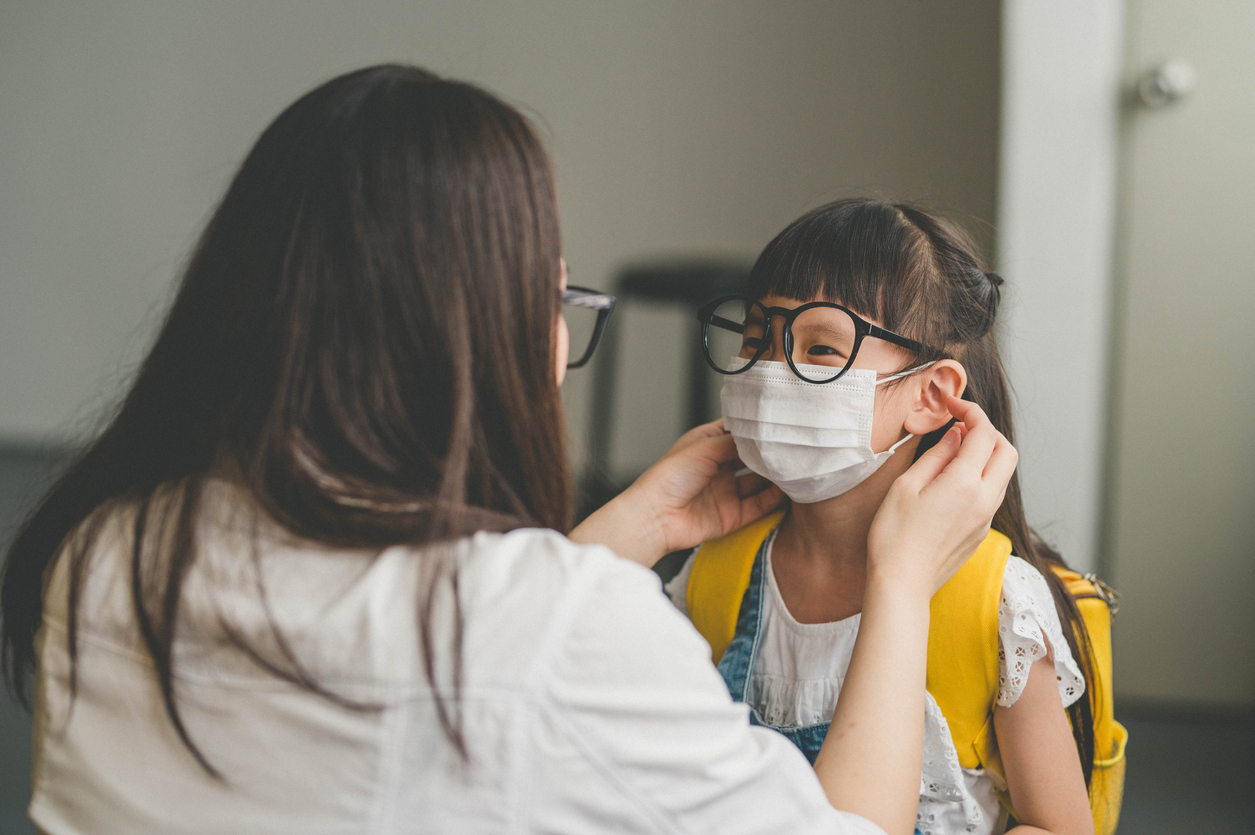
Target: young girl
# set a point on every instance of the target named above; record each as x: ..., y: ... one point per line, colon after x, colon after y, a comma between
x: 860, y: 318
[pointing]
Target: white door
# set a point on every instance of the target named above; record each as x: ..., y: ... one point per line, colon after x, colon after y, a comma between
x: 1181, y: 528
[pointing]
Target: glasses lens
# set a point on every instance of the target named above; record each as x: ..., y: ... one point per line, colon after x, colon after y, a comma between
x: 822, y: 336
x: 581, y: 322
x: 737, y: 328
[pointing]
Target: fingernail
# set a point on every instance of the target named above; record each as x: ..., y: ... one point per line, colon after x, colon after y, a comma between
x: 950, y: 437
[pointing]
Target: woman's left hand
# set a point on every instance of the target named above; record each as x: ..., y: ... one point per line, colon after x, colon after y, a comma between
x: 690, y: 496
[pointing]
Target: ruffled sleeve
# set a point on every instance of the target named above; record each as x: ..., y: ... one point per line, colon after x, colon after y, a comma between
x: 1028, y: 630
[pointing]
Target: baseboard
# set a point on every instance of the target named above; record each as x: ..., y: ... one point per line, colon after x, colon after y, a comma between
x: 1201, y: 713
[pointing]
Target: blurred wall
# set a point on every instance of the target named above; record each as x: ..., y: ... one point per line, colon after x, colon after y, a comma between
x: 695, y: 127
x: 1056, y: 224
x: 1182, y: 522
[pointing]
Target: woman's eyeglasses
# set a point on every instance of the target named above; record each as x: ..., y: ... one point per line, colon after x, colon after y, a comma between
x: 823, y: 334
x: 586, y: 312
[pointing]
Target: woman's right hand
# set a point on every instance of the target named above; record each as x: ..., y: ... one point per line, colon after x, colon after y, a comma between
x: 938, y: 512
x: 932, y: 520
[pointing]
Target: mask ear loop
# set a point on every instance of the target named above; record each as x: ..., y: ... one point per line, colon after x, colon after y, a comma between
x: 906, y: 373
x: 891, y: 450
x: 909, y: 436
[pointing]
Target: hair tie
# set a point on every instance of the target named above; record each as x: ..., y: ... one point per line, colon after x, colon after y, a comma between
x: 994, y: 279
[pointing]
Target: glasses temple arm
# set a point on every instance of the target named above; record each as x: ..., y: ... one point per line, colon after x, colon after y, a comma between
x: 899, y: 340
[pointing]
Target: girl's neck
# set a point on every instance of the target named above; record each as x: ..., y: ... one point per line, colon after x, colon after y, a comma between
x: 819, y: 557
x: 834, y: 532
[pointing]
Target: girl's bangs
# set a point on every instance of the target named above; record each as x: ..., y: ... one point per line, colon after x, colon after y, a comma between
x: 861, y: 255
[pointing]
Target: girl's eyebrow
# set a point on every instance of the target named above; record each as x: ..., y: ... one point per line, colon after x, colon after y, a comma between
x: 825, y: 329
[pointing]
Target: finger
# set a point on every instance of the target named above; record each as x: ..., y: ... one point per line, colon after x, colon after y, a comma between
x: 751, y: 483
x: 1001, y: 465
x: 932, y: 462
x: 961, y: 410
x: 978, y: 441
x: 970, y: 416
x: 706, y: 430
x: 760, y: 504
x: 713, y: 429
x: 718, y: 449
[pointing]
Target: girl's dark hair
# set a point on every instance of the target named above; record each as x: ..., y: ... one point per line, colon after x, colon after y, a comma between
x: 919, y: 275
x: 364, y: 335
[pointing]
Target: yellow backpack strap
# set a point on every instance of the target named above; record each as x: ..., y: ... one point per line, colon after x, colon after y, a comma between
x: 963, y: 651
x: 719, y: 579
x: 1096, y: 603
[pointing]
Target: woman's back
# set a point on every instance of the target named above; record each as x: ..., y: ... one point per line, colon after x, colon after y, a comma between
x: 599, y: 713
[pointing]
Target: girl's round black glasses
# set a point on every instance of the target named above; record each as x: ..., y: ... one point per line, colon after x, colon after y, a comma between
x: 826, y: 334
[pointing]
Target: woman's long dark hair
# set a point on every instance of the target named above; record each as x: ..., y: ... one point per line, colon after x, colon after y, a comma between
x: 364, y: 334
x: 919, y: 275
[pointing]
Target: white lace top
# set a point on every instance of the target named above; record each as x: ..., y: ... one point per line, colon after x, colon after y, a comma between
x: 800, y: 668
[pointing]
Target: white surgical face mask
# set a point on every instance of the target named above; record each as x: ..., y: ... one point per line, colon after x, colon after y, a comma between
x: 813, y: 441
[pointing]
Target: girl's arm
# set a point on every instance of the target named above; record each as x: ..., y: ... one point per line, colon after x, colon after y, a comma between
x: 1042, y: 766
x: 932, y: 520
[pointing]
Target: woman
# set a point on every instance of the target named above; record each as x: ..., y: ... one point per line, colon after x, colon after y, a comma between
x: 310, y: 578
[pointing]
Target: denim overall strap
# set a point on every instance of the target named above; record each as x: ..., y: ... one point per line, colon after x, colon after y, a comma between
x: 738, y: 660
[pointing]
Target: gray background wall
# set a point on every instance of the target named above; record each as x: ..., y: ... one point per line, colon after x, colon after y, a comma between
x: 677, y: 128
x: 695, y: 127
x: 1181, y: 526
x: 1056, y: 216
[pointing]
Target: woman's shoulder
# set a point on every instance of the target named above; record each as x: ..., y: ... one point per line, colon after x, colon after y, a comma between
x: 531, y: 548
x: 544, y: 567
x: 349, y: 613
x: 547, y: 559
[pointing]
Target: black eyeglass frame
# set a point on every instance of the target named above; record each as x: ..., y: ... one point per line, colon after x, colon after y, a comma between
x: 590, y: 299
x: 862, y: 330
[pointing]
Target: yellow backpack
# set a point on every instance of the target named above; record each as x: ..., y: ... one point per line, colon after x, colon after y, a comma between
x: 962, y: 649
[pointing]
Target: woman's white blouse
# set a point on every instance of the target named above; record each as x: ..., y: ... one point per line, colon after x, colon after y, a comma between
x: 800, y: 668
x: 588, y: 703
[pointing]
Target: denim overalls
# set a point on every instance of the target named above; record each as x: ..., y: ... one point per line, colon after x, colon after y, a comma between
x: 738, y: 659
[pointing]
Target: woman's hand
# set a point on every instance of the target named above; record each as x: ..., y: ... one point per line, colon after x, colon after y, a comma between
x: 932, y: 520
x: 938, y: 512
x: 690, y: 496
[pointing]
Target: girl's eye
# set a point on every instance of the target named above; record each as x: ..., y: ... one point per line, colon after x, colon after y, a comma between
x: 752, y: 342
x: 821, y: 351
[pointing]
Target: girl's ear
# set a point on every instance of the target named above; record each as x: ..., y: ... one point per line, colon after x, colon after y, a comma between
x: 929, y: 412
